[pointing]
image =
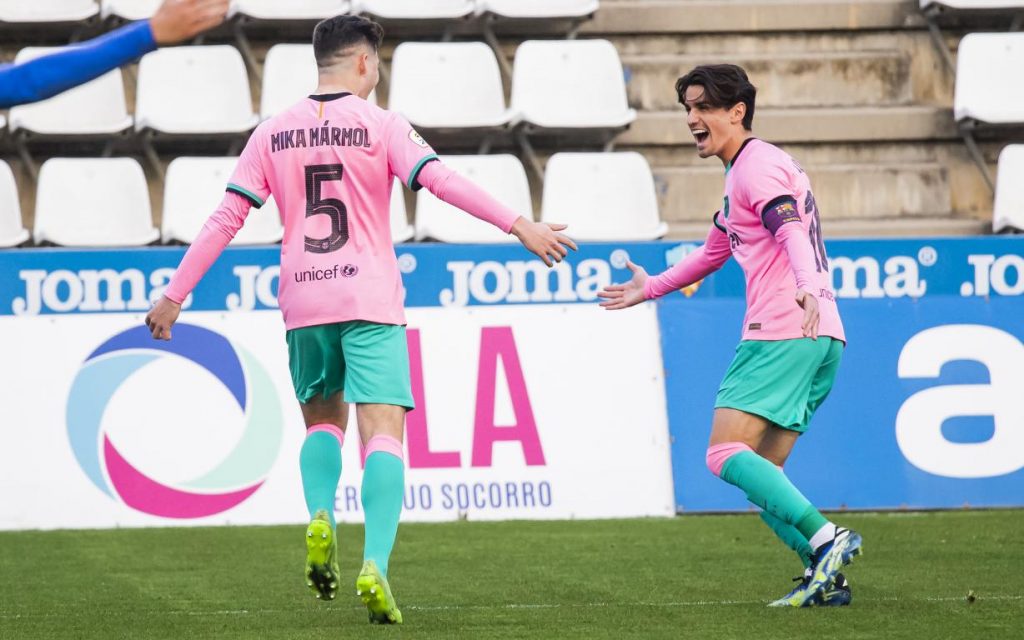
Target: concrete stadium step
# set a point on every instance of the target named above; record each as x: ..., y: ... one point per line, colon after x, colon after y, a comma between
x: 843, y: 191
x: 808, y: 125
x: 793, y: 79
x: 890, y: 226
x: 737, y: 16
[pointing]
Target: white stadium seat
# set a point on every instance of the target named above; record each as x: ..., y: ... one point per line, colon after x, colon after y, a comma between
x: 1008, y: 212
x: 289, y: 9
x: 93, y: 202
x: 448, y: 85
x: 984, y: 63
x: 289, y: 75
x: 595, y: 98
x: 500, y: 175
x: 602, y: 197
x: 47, y: 10
x: 129, y: 9
x: 415, y: 9
x: 96, y: 107
x: 401, y: 230
x: 194, y: 90
x: 538, y: 8
x: 12, y: 233
x: 193, y: 189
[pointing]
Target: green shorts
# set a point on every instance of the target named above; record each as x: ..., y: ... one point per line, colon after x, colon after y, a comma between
x: 369, y: 362
x: 784, y: 381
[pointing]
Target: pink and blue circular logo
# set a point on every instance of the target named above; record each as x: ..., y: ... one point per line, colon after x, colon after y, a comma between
x: 231, y: 481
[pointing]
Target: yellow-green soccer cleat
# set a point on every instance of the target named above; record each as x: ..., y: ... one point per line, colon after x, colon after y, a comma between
x: 322, y: 557
x: 827, y: 561
x: 372, y: 588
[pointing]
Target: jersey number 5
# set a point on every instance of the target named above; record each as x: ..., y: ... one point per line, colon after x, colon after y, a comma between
x: 333, y: 208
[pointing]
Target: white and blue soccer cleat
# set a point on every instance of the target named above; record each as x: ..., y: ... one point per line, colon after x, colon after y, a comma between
x: 822, y: 585
x: 838, y: 595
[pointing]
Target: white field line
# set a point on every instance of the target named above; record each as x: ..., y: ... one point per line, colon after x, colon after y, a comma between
x: 529, y: 606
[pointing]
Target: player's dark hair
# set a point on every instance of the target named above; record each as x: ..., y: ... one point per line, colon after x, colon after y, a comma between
x: 725, y: 86
x: 333, y: 37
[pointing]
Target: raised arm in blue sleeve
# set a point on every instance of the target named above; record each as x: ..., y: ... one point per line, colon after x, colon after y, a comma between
x: 73, y: 65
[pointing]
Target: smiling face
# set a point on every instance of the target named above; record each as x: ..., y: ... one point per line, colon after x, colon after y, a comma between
x: 718, y: 131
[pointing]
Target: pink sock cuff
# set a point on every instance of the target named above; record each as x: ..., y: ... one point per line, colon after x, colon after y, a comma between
x: 387, y: 444
x: 327, y: 428
x: 718, y: 455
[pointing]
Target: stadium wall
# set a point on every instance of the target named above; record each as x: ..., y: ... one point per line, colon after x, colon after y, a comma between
x: 533, y: 402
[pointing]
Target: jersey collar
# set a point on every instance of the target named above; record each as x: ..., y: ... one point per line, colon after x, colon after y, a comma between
x: 738, y: 152
x: 327, y: 97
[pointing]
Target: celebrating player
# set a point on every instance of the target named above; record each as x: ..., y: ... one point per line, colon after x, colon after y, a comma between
x: 329, y: 161
x: 793, y: 338
x: 46, y: 76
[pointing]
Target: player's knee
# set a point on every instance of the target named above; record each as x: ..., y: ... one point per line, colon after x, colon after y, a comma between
x: 719, y: 454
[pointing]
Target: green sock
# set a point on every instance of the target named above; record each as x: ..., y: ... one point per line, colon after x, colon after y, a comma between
x: 320, y: 464
x: 383, y: 492
x: 790, y: 536
x: 770, y: 489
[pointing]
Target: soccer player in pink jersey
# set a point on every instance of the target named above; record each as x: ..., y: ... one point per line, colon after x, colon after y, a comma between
x: 793, y: 339
x: 330, y: 161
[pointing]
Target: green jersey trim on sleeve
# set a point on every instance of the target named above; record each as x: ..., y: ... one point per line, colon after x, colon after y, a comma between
x: 412, y: 183
x: 714, y: 219
x: 245, y: 193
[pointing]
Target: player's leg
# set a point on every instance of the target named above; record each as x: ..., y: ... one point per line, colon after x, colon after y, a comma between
x: 381, y: 427
x: 775, y: 446
x: 320, y: 465
x: 732, y: 456
x: 832, y: 555
x: 378, y: 381
x: 768, y: 383
x: 317, y: 370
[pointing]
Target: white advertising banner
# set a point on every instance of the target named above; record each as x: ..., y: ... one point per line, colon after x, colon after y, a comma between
x: 533, y: 411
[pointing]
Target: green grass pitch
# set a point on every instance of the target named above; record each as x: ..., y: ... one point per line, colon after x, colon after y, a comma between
x: 686, y: 577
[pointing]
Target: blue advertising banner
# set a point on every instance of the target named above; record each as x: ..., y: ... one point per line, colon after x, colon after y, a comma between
x: 60, y: 281
x: 926, y: 411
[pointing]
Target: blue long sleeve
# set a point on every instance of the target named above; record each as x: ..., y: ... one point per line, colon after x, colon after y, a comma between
x: 73, y: 65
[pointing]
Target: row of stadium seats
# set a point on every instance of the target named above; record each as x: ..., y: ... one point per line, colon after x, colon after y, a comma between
x: 105, y: 201
x: 24, y: 11
x: 202, y: 90
x: 989, y: 98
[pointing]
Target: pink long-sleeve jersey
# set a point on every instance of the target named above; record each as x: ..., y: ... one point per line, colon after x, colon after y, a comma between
x: 330, y: 161
x: 770, y: 223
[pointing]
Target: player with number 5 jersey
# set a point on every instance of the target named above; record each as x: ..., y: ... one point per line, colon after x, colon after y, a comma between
x: 330, y: 162
x: 792, y: 339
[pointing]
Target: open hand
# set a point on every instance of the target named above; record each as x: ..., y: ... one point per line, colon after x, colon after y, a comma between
x: 177, y: 20
x: 811, y: 316
x: 623, y: 296
x: 162, y: 317
x: 544, y: 240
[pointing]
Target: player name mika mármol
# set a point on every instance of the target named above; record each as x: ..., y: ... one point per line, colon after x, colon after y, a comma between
x: 322, y: 136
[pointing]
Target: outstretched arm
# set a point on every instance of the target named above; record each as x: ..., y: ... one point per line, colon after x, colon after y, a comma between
x: 218, y: 231
x: 57, y: 72
x: 704, y: 261
x: 73, y: 65
x: 542, y: 239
